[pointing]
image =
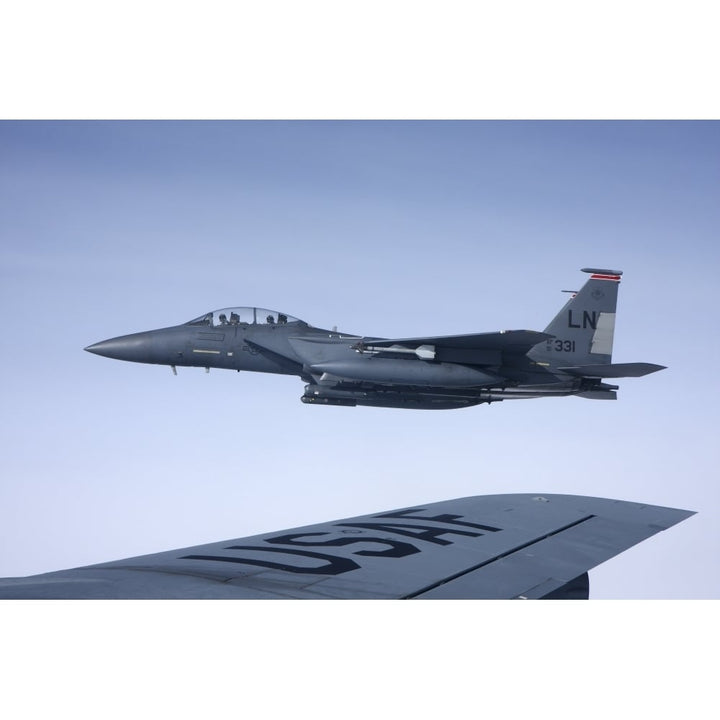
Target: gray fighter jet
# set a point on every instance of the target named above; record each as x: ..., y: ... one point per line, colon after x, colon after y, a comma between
x: 573, y: 356
x: 491, y: 547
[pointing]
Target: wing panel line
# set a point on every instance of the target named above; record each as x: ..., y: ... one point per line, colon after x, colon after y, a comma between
x: 530, y: 543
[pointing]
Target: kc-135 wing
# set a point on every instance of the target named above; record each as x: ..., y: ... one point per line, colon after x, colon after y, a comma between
x: 493, y: 546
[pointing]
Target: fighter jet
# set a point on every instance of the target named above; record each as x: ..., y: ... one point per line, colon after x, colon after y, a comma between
x: 486, y: 547
x: 573, y: 356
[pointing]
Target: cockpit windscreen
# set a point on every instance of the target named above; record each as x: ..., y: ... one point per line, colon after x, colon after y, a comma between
x: 244, y: 316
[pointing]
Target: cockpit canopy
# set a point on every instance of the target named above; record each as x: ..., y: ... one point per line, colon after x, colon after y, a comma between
x: 244, y: 316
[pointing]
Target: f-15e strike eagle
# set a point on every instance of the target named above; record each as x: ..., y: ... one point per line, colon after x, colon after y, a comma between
x: 485, y: 547
x: 573, y: 356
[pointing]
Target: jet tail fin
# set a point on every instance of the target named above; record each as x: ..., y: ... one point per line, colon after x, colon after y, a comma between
x: 583, y: 330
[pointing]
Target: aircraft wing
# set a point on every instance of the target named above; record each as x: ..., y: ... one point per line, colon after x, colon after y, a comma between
x: 508, y: 340
x: 493, y: 546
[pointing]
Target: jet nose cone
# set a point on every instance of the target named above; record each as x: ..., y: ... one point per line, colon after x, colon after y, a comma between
x: 97, y: 348
x: 139, y: 347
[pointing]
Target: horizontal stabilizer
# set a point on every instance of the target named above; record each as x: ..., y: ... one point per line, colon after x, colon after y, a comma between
x: 613, y: 370
x: 518, y: 341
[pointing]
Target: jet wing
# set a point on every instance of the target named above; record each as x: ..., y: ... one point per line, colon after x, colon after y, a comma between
x: 509, y: 340
x: 494, y: 546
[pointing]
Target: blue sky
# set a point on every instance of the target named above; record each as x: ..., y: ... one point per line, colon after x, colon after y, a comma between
x: 385, y: 228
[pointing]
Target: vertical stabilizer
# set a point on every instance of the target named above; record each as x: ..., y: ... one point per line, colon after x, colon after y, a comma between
x: 583, y: 330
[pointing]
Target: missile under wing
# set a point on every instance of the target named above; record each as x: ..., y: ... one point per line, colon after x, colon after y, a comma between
x: 493, y: 546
